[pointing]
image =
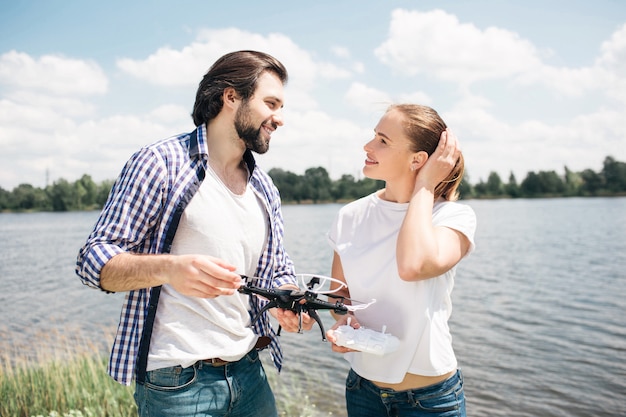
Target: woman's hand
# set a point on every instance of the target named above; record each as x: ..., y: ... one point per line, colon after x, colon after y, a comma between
x: 330, y: 334
x: 441, y: 162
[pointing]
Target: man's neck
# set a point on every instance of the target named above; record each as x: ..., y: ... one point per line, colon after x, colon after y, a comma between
x: 226, y: 151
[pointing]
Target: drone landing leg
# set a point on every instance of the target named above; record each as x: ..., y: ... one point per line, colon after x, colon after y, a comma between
x: 313, y: 313
x: 266, y: 307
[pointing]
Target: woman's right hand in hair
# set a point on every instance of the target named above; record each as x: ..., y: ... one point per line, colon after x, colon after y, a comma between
x: 441, y: 162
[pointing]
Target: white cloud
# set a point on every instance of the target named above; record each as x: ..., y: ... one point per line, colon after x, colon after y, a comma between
x: 50, y: 116
x: 613, y: 61
x: 171, y: 114
x: 613, y: 52
x: 52, y: 74
x: 373, y: 101
x: 492, y: 144
x: 60, y: 105
x: 368, y: 99
x: 340, y: 51
x: 186, y: 66
x: 437, y: 43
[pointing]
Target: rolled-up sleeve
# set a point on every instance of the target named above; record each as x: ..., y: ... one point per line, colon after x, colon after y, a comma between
x: 128, y: 218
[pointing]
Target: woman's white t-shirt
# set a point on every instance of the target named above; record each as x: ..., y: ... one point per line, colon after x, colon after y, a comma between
x: 364, y: 234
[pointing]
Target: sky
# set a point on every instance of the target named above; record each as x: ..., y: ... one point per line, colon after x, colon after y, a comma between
x: 535, y: 85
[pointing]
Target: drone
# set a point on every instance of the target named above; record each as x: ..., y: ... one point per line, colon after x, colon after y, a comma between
x: 307, y: 300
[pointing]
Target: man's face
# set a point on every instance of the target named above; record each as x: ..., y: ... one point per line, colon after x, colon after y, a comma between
x: 260, y: 115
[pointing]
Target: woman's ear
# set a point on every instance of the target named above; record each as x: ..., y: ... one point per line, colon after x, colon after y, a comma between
x: 419, y: 159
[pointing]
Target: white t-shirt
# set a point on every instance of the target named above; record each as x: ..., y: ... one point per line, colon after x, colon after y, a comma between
x: 364, y: 235
x: 228, y: 226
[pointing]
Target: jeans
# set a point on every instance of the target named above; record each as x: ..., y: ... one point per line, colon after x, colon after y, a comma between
x: 237, y: 389
x: 444, y: 399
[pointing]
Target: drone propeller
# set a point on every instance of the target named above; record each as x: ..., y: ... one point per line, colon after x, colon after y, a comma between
x: 319, y: 284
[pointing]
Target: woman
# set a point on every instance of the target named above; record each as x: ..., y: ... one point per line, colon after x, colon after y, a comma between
x: 400, y: 246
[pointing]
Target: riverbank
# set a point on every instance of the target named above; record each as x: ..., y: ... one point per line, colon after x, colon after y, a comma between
x: 71, y: 381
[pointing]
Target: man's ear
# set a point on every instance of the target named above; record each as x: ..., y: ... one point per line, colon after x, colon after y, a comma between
x: 230, y: 97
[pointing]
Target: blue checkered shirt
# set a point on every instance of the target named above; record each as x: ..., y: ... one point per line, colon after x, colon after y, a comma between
x: 137, y: 216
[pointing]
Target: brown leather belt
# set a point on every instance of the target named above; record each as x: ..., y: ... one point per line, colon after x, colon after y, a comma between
x: 261, y: 343
x: 214, y: 362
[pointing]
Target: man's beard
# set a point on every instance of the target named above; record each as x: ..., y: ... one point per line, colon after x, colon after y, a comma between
x: 250, y: 135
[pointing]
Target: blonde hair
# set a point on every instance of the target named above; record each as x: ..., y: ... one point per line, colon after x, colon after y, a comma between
x: 423, y: 126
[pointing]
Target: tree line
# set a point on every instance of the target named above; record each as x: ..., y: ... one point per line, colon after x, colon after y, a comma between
x: 316, y: 186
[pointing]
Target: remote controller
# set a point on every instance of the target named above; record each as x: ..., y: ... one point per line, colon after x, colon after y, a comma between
x: 366, y: 340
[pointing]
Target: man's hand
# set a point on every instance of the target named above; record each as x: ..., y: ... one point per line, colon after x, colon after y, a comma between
x: 204, y: 276
x: 290, y: 321
x: 192, y: 275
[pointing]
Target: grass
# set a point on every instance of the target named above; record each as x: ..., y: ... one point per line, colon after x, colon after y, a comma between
x: 67, y: 379
x: 70, y: 380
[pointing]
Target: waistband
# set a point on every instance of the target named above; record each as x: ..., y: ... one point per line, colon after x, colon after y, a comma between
x: 261, y: 343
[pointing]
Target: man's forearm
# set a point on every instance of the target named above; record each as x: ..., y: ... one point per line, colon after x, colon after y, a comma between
x: 127, y: 272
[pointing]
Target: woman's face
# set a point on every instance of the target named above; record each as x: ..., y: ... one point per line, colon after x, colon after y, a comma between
x: 388, y: 154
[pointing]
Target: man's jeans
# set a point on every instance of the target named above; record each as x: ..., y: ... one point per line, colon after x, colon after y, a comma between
x: 237, y: 389
x: 444, y: 399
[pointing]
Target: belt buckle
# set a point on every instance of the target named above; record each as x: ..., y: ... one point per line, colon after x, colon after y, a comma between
x: 215, y: 362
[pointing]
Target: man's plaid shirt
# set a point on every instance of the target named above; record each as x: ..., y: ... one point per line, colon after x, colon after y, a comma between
x: 137, y: 216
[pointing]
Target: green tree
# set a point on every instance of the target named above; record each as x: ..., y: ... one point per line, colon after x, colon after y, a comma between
x: 465, y: 188
x: 480, y: 189
x: 614, y: 173
x: 542, y: 184
x: 551, y: 183
x: 88, y: 192
x: 592, y: 182
x: 288, y: 183
x: 27, y: 197
x: 63, y: 195
x: 511, y: 188
x: 531, y: 185
x: 317, y: 184
x: 104, y: 188
x: 5, y: 199
x: 367, y: 186
x: 494, y: 184
x: 572, y: 182
x: 344, y: 188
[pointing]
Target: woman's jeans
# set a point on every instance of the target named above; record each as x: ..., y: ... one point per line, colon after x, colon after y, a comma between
x: 444, y: 399
x: 237, y: 389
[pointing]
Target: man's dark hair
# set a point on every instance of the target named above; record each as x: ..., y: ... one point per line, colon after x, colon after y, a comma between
x: 239, y: 70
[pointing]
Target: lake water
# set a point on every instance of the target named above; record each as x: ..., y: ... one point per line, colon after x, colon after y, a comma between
x: 539, y: 320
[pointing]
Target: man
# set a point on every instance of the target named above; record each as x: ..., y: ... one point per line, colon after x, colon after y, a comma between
x: 185, y: 218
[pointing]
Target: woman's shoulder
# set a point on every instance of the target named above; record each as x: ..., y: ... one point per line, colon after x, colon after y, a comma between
x: 456, y: 216
x: 452, y: 207
x: 358, y: 204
